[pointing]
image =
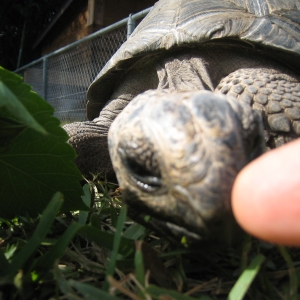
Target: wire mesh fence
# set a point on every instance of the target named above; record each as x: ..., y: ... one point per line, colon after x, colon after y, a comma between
x: 63, y: 77
x: 70, y: 73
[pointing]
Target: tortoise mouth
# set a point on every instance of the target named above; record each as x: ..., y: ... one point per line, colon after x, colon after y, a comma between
x: 174, y: 232
x: 225, y: 234
x: 145, y: 179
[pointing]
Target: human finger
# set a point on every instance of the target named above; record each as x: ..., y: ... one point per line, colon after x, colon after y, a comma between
x: 266, y: 196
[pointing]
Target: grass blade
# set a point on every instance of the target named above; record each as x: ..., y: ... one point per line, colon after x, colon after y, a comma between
x: 39, y: 234
x: 4, y: 264
x: 134, y: 231
x: 117, y: 241
x: 46, y: 261
x: 292, y: 273
x: 113, y: 215
x: 61, y: 281
x: 87, y: 198
x: 90, y: 292
x: 243, y: 283
x: 157, y: 293
x: 139, y: 265
x: 106, y: 239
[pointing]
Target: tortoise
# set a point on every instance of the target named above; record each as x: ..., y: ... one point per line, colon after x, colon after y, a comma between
x: 199, y: 90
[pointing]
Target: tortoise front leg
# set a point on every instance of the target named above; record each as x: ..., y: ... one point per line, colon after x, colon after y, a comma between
x: 272, y: 92
x: 89, y: 139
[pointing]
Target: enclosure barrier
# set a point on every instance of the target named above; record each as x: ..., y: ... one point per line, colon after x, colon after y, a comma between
x: 62, y: 77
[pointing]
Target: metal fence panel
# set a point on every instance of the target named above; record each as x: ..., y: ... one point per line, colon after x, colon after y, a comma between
x: 63, y: 77
x: 70, y: 74
x: 34, y: 77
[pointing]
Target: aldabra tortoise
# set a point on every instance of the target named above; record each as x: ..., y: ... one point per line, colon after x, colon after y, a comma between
x: 177, y: 148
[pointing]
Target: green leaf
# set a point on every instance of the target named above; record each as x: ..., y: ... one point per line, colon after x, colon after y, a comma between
x: 33, y: 165
x: 9, y: 130
x: 9, y: 100
x: 90, y: 292
x: 39, y: 234
x: 242, y: 285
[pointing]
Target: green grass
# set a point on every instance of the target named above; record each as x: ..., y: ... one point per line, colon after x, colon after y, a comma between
x: 105, y: 255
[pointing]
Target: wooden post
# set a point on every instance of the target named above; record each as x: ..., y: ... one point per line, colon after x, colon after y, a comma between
x: 95, y: 12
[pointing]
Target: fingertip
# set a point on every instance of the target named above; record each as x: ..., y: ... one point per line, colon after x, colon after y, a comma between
x: 266, y: 196
x: 245, y: 201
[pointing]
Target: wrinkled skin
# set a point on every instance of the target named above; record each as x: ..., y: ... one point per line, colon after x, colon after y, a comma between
x: 176, y: 150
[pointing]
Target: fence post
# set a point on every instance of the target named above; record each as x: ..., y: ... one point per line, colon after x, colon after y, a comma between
x: 45, y: 77
x: 130, y: 25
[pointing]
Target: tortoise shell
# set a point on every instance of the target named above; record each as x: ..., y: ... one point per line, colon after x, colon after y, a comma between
x: 271, y: 26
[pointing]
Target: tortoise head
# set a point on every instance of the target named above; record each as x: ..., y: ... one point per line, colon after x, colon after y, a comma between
x: 176, y: 156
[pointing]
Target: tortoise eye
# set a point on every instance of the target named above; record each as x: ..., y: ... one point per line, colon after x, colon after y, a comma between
x: 146, y: 179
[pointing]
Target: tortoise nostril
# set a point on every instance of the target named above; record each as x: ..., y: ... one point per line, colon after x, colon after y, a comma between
x: 138, y: 169
x: 146, y: 179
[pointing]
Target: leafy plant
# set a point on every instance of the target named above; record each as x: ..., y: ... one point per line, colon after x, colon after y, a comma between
x: 35, y: 160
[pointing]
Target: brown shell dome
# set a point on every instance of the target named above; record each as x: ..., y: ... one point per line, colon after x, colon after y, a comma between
x: 270, y: 25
